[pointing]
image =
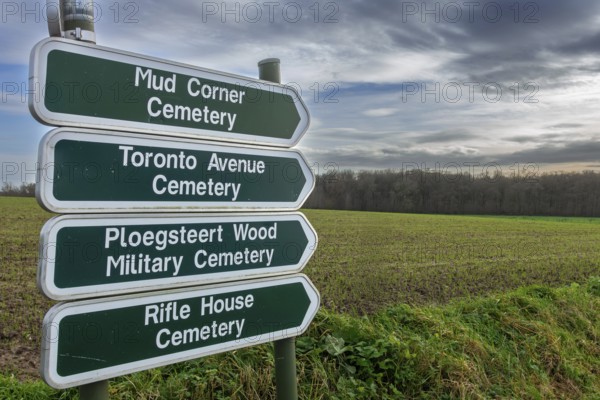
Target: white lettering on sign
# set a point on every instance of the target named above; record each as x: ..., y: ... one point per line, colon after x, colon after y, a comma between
x: 130, y: 264
x: 161, y: 185
x: 165, y: 337
x: 214, y: 92
x: 247, y: 232
x: 161, y: 313
x: 155, y: 82
x: 234, y: 165
x: 157, y: 160
x: 161, y: 238
x: 211, y: 306
x: 203, y: 259
x: 179, y: 160
x: 156, y: 108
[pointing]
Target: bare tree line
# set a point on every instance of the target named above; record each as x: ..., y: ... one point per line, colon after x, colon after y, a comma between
x: 552, y: 194
x: 418, y: 191
x: 24, y: 190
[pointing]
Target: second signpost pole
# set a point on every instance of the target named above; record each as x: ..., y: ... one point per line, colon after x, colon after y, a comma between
x: 285, y: 349
x: 94, y: 391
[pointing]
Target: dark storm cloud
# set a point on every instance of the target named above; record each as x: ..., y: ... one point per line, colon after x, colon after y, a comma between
x: 402, y: 158
x: 513, y: 44
x: 494, y: 23
x: 494, y: 41
x: 397, y: 157
x: 445, y: 136
x: 566, y: 126
x: 586, y: 45
x: 580, y: 151
x: 544, y: 138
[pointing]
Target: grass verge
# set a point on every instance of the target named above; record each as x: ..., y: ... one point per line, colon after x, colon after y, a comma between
x: 533, y: 343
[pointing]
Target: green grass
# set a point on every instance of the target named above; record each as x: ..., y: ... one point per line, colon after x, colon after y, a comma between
x: 533, y: 343
x: 366, y: 261
x: 414, y: 306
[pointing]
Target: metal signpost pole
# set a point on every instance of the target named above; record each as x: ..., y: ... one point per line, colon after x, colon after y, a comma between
x: 285, y: 349
x: 75, y: 21
x: 94, y: 391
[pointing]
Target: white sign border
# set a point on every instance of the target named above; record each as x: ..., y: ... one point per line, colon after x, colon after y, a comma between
x: 45, y: 175
x: 58, y: 312
x: 37, y: 80
x: 48, y: 252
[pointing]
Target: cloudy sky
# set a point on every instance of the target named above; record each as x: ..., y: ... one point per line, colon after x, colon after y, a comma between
x: 389, y: 84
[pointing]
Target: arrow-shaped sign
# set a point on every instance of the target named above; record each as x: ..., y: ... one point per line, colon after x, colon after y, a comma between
x: 84, y: 85
x: 100, y: 171
x: 90, y: 256
x: 92, y: 340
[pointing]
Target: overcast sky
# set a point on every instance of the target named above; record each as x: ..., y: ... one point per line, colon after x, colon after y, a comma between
x: 389, y: 84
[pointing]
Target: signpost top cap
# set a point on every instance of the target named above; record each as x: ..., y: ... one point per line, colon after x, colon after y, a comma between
x: 269, y: 61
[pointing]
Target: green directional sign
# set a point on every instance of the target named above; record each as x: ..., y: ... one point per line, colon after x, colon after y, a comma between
x: 100, y: 171
x: 98, y: 339
x: 83, y: 85
x: 90, y: 256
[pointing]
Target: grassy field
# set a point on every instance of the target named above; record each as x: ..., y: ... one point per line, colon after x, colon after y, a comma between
x: 366, y: 266
x: 366, y: 261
